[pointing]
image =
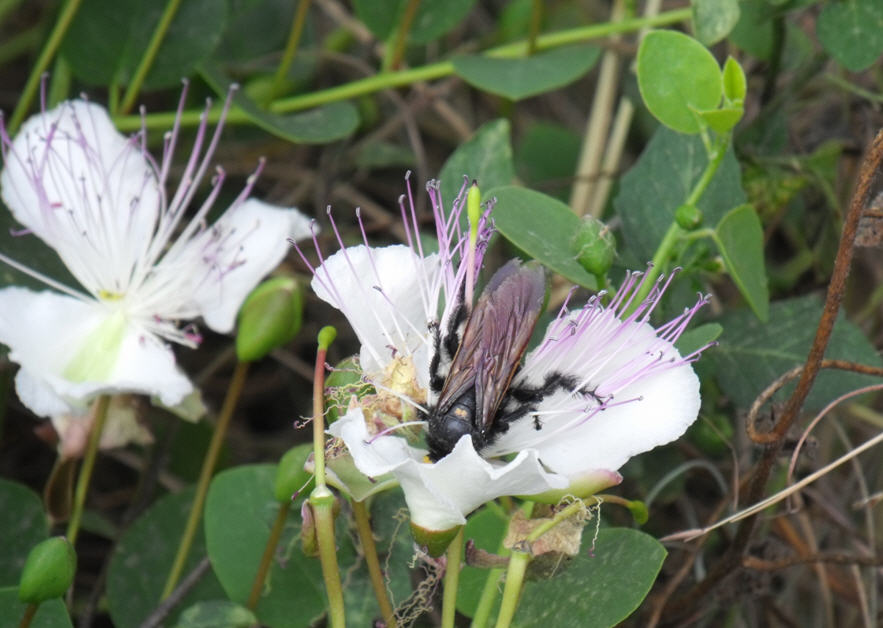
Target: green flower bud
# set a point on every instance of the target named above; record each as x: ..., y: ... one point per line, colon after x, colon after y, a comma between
x: 688, y: 217
x: 291, y: 477
x: 269, y: 318
x: 48, y: 571
x: 595, y: 246
x: 326, y: 336
x: 435, y: 541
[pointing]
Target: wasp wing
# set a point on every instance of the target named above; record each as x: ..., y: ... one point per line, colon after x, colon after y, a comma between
x: 495, y: 337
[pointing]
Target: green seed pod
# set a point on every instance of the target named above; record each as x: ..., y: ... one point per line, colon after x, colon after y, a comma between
x: 48, y: 571
x: 291, y: 477
x: 269, y: 318
x: 688, y: 217
x: 595, y: 246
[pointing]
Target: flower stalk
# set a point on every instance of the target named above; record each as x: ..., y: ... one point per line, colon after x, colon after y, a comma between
x: 267, y: 558
x: 297, y: 29
x: 322, y: 499
x: 518, y: 562
x: 100, y: 407
x: 369, y: 548
x: 205, y: 476
x: 454, y: 558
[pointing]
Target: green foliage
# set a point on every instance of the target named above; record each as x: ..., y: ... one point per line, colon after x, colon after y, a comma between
x: 108, y: 38
x: 522, y: 78
x: 433, y: 19
x: 143, y: 557
x: 542, y: 227
x: 714, y: 19
x: 739, y: 237
x: 661, y: 180
x: 852, y: 32
x: 214, y: 613
x: 753, y: 354
x: 23, y: 524
x: 619, y: 566
x: 50, y: 614
x: 678, y: 77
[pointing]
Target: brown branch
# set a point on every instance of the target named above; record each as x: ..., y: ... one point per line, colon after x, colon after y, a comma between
x: 760, y: 564
x: 732, y: 559
x: 763, y: 438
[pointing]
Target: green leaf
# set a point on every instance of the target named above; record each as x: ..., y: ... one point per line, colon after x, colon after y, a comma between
x: 23, y: 524
x: 142, y: 559
x: 240, y: 510
x: 521, y: 78
x: 271, y: 19
x: 50, y: 614
x: 600, y: 587
x: 217, y: 614
x: 546, y: 158
x: 752, y: 354
x: 723, y: 119
x: 542, y: 227
x: 735, y: 83
x: 676, y: 75
x: 852, y: 32
x: 316, y: 126
x: 486, y: 157
x: 739, y: 236
x: 696, y: 338
x: 754, y: 31
x: 434, y: 18
x: 714, y: 19
x: 487, y: 529
x: 661, y: 180
x: 107, y: 39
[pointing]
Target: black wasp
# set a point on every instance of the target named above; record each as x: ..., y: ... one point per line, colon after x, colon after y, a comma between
x: 477, y: 396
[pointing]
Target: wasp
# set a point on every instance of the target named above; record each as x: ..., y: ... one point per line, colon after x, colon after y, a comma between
x: 484, y: 348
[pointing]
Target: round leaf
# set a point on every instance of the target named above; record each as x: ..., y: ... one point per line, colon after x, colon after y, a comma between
x: 598, y: 588
x: 852, y: 32
x: 50, y: 614
x: 677, y: 76
x: 542, y: 227
x: 521, y: 78
x: 714, y: 19
x: 23, y: 524
x: 142, y: 559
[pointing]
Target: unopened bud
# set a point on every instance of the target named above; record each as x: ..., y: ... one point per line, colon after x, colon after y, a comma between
x: 688, y: 217
x: 269, y: 318
x: 595, y: 246
x: 291, y: 477
x: 48, y: 571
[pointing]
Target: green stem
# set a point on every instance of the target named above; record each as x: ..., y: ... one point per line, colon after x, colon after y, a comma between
x: 205, y: 476
x: 68, y: 11
x: 369, y: 548
x: 6, y: 6
x: 297, y: 29
x: 536, y: 19
x: 454, y: 557
x: 396, y: 51
x: 322, y: 499
x: 387, y: 80
x: 99, y: 410
x: 518, y: 563
x: 322, y: 503
x: 30, y: 611
x: 267, y: 558
x: 488, y: 595
x: 149, y: 55
x: 674, y: 233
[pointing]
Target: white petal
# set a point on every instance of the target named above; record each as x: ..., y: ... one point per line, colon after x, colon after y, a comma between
x: 655, y: 409
x: 385, y: 295
x: 85, y: 189
x: 45, y: 332
x: 221, y: 265
x: 441, y: 494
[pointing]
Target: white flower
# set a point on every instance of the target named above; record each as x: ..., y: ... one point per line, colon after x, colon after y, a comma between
x: 623, y: 387
x: 143, y: 262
